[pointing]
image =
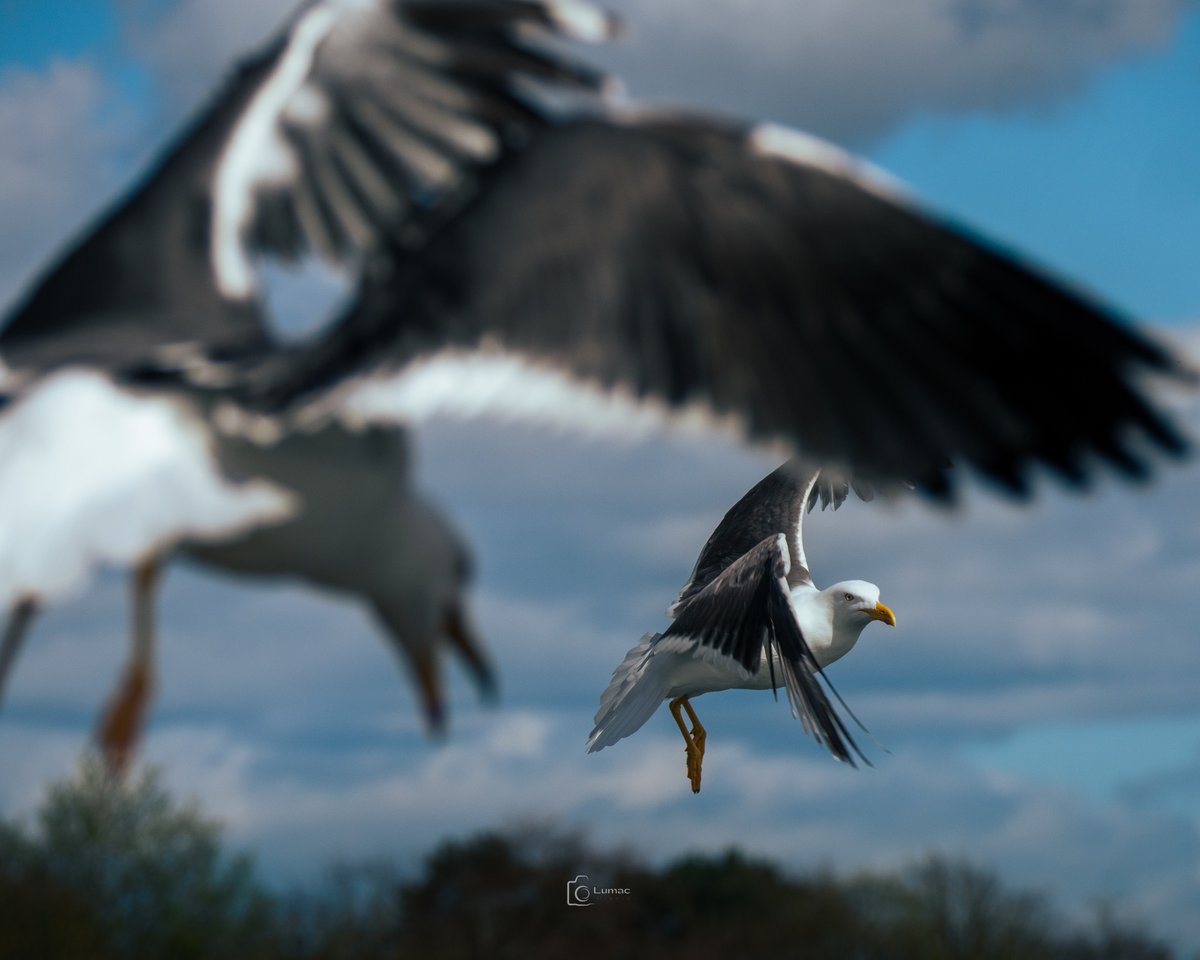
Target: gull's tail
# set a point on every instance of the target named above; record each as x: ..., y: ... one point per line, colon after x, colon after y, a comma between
x: 634, y: 693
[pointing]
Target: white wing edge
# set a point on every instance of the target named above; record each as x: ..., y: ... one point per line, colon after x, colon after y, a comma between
x: 804, y: 149
x: 256, y: 155
x: 508, y: 388
x: 800, y: 559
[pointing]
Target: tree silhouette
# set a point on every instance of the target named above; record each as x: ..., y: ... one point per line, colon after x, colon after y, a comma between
x: 120, y: 870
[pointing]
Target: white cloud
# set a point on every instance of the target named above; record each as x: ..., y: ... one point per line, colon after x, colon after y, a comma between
x: 853, y: 71
x: 191, y: 45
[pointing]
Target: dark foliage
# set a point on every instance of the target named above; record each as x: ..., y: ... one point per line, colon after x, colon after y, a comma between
x: 117, y: 870
x: 123, y: 871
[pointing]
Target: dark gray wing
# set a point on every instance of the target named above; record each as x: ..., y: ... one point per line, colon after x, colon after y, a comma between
x: 773, y: 506
x: 362, y: 120
x: 681, y: 260
x: 745, y: 609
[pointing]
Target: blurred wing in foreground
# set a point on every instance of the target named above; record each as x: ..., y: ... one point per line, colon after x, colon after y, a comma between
x: 756, y: 275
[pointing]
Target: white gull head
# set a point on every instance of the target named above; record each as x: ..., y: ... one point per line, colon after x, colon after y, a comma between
x: 833, y: 623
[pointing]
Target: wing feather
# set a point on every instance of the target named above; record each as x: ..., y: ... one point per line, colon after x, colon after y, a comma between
x: 427, y: 88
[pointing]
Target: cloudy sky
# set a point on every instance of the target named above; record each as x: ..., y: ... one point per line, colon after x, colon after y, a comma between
x: 1036, y: 709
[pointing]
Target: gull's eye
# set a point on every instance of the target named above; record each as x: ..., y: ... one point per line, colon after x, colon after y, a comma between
x: 849, y: 597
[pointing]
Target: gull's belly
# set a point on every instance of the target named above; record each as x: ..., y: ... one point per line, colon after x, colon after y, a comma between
x: 691, y: 675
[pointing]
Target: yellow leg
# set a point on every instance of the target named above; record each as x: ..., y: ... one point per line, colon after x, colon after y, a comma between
x: 121, y: 724
x: 693, y: 740
x: 699, y: 734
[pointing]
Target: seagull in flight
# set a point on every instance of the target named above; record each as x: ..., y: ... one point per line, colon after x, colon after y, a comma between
x: 749, y: 617
x: 521, y: 244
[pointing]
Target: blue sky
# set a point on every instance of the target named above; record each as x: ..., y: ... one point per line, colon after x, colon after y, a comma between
x: 35, y: 33
x: 1038, y: 697
x: 1036, y: 178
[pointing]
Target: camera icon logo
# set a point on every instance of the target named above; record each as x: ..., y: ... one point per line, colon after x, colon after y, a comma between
x: 579, y: 892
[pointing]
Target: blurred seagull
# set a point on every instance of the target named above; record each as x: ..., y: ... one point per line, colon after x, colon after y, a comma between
x: 523, y: 246
x: 122, y: 439
x: 750, y: 617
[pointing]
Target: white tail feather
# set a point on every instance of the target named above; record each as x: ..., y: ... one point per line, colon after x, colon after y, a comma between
x: 632, y: 696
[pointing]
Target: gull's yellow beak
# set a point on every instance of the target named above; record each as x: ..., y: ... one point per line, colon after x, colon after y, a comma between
x: 883, y: 614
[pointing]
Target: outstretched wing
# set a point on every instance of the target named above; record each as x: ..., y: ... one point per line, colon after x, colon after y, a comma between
x: 774, y: 505
x: 767, y: 279
x: 361, y: 121
x: 745, y: 611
